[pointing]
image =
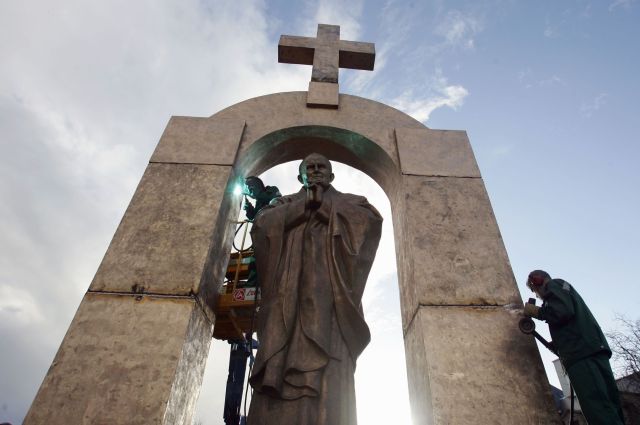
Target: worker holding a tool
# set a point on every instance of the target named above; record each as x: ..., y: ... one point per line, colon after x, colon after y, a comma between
x: 581, y: 346
x: 263, y: 195
x: 255, y: 188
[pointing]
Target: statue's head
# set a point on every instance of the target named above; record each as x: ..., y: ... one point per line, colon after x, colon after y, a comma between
x: 315, y: 169
x: 253, y: 186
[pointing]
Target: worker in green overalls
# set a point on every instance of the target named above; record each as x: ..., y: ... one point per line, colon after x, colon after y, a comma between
x: 256, y: 189
x: 581, y: 346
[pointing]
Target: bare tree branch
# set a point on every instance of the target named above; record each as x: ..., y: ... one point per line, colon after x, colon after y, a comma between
x: 625, y: 345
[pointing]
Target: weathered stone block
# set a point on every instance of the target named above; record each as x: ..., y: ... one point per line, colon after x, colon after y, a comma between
x: 426, y: 152
x: 454, y: 252
x: 296, y: 49
x: 322, y: 95
x: 357, y: 55
x: 268, y: 116
x: 163, y: 240
x: 126, y: 360
x: 418, y: 377
x: 326, y: 54
x: 193, y: 140
x: 472, y: 361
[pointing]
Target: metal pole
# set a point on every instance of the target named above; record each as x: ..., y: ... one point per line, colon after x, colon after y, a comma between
x: 571, y: 391
x: 239, y: 263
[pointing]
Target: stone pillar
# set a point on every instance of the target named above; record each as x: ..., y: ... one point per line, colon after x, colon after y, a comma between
x: 136, y: 349
x: 467, y: 362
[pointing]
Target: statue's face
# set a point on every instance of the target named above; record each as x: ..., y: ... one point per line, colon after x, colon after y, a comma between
x: 253, y: 187
x: 316, y: 169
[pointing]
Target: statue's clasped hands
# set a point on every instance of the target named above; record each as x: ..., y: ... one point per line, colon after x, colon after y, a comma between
x: 314, y: 196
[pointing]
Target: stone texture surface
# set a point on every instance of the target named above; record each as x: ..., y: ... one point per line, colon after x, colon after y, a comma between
x: 418, y: 377
x: 190, y: 370
x: 122, y: 360
x: 269, y: 115
x: 357, y: 55
x: 217, y: 259
x: 326, y: 55
x: 191, y: 140
x: 454, y: 253
x: 480, y: 369
x: 163, y: 240
x: 322, y: 95
x: 296, y: 49
x: 427, y: 152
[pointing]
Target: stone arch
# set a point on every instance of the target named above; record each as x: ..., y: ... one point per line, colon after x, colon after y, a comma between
x: 338, y: 144
x: 148, y: 316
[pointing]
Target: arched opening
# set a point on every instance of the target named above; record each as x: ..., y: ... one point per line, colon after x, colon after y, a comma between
x: 384, y: 358
x: 337, y: 144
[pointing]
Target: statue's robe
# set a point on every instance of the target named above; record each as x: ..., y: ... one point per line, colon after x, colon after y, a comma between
x: 312, y: 269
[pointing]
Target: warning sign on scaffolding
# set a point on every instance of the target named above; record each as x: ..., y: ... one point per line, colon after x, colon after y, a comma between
x: 244, y: 294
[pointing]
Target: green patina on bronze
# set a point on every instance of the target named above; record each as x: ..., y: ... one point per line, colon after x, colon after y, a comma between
x: 337, y: 144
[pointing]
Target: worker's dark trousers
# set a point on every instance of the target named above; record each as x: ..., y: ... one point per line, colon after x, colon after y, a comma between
x: 595, y: 386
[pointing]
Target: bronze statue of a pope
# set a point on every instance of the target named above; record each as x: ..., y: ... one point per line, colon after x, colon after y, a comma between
x: 314, y: 250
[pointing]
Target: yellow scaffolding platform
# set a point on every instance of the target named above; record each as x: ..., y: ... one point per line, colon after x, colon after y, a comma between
x: 236, y: 302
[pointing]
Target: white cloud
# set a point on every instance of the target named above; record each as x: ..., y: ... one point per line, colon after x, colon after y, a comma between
x: 18, y: 307
x: 549, y: 32
x: 551, y: 81
x: 528, y: 79
x: 361, y: 82
x: 587, y: 11
x: 394, y: 30
x: 85, y: 92
x: 440, y: 94
x: 625, y: 4
x: 524, y: 77
x: 590, y: 107
x: 459, y: 29
x: 333, y: 12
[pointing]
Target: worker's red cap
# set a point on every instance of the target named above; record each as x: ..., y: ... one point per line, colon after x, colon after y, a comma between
x: 537, y: 278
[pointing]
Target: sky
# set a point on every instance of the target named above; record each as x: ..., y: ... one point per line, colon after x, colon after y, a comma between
x: 547, y: 92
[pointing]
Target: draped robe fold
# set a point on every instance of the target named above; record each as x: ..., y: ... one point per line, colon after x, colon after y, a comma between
x: 312, y: 268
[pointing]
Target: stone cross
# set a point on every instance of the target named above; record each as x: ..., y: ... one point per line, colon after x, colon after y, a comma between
x: 327, y: 53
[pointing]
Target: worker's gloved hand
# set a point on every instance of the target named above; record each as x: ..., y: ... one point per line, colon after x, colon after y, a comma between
x: 531, y: 310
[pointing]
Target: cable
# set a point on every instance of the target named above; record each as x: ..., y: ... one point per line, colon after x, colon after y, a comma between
x: 250, y: 247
